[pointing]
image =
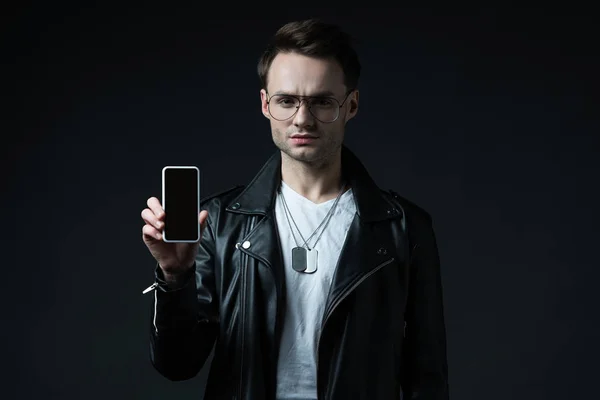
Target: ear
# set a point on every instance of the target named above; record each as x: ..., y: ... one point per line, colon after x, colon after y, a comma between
x: 352, y: 105
x: 263, y: 103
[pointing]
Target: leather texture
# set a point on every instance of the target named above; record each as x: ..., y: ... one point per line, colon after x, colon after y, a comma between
x: 383, y: 330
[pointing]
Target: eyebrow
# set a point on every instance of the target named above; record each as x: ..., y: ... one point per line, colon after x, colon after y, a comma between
x: 325, y: 93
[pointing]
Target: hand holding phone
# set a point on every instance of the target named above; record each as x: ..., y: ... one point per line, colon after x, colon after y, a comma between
x: 173, y: 233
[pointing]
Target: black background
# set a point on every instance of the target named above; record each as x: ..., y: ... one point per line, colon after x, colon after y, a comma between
x: 487, y: 118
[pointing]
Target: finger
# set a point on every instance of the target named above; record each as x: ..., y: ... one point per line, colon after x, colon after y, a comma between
x: 203, y: 220
x: 156, y: 208
x: 202, y: 217
x: 150, y: 233
x: 149, y: 218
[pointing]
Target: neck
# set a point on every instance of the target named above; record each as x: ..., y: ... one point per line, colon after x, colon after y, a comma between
x: 318, y: 182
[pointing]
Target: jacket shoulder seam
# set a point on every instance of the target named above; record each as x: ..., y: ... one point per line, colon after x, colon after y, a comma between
x: 405, y: 203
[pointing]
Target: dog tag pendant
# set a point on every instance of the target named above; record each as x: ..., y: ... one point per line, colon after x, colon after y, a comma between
x: 299, y: 258
x: 311, y: 261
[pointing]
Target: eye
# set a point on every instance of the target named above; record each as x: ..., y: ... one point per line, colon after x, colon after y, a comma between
x: 285, y: 101
x: 323, y: 102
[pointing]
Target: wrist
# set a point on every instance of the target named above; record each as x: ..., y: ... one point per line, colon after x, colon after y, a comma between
x: 172, y: 278
x: 176, y: 280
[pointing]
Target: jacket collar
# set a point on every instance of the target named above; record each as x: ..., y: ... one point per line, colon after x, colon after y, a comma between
x: 258, y: 197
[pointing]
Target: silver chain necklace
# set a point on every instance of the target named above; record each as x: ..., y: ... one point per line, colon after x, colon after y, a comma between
x: 304, y: 260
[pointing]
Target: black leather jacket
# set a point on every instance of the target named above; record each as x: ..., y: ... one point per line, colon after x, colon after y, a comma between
x: 383, y: 328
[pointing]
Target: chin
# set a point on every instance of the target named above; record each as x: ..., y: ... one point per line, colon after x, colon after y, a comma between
x: 304, y: 154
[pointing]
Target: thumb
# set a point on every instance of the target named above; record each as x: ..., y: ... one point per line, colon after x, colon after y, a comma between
x: 202, y: 217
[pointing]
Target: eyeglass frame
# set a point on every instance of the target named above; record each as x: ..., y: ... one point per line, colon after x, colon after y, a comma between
x: 301, y: 98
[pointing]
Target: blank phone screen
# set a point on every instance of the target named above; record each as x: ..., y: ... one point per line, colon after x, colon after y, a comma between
x: 181, y: 201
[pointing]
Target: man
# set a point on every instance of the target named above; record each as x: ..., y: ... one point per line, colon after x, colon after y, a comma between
x: 310, y: 282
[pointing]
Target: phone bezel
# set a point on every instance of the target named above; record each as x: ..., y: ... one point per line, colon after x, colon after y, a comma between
x: 164, y: 203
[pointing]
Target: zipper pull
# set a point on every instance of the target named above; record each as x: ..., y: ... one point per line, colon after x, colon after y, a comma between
x: 150, y: 288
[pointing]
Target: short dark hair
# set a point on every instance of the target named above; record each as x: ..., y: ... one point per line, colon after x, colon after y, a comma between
x: 313, y: 38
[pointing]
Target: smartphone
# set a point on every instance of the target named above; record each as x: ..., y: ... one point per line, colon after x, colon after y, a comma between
x: 181, y: 202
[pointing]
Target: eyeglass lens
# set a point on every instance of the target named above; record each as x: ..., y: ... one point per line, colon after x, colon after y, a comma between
x: 283, y: 107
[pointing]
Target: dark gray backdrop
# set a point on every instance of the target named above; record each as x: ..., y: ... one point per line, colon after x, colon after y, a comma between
x: 487, y: 118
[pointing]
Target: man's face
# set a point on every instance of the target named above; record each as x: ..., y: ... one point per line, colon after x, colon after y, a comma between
x: 295, y: 74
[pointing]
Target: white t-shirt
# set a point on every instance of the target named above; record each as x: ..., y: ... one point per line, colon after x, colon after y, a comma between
x: 307, y: 293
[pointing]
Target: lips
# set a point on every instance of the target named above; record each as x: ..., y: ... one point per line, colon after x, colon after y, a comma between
x: 303, y: 137
x: 303, y: 140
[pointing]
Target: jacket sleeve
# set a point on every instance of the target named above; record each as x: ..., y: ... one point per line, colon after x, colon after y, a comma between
x: 425, y: 368
x: 185, y: 320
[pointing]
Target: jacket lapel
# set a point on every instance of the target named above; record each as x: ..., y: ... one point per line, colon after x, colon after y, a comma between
x: 369, y: 242
x: 258, y: 198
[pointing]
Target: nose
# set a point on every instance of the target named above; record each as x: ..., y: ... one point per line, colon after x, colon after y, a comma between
x: 303, y: 116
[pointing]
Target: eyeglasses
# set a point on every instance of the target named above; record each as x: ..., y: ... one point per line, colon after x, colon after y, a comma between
x: 285, y: 106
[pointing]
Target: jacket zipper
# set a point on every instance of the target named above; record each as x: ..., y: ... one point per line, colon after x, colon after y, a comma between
x: 243, y: 307
x: 150, y: 288
x: 147, y: 290
x: 336, y: 303
x: 281, y: 303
